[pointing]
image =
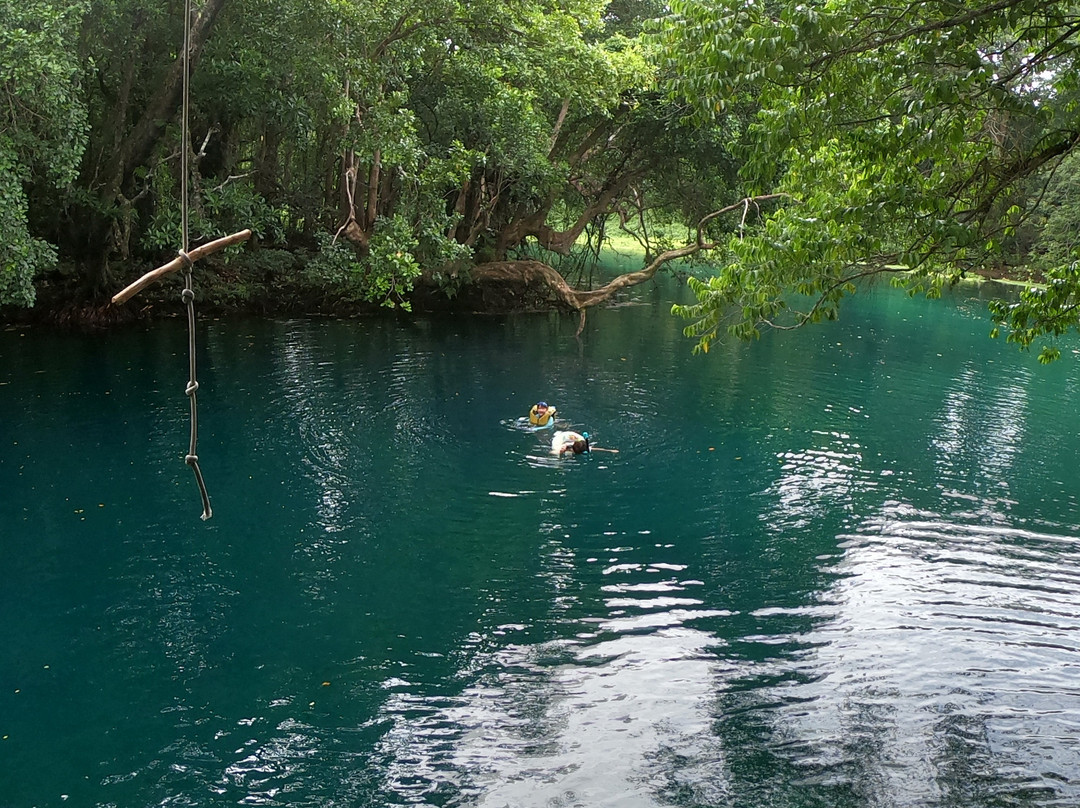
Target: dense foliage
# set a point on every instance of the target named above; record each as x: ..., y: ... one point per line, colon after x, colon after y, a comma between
x: 378, y: 137
x: 381, y: 139
x: 42, y: 129
x: 911, y: 136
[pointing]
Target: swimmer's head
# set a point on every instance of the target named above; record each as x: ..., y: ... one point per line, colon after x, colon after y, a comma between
x: 581, y: 446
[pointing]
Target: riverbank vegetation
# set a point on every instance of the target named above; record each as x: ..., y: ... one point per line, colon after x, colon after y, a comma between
x: 481, y: 153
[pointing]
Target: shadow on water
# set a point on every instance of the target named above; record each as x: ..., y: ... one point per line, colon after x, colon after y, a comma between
x: 837, y: 568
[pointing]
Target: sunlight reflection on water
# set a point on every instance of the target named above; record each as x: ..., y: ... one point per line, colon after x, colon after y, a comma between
x: 928, y: 630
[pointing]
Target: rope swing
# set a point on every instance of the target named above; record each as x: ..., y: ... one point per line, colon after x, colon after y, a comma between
x: 186, y: 260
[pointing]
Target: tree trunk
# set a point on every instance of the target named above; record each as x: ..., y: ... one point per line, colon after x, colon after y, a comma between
x: 132, y: 149
x: 561, y: 241
x: 138, y: 144
x: 354, y: 225
x: 372, y: 208
x: 267, y: 164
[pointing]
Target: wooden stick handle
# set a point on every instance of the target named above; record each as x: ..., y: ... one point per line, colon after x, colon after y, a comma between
x: 602, y: 449
x: 175, y: 264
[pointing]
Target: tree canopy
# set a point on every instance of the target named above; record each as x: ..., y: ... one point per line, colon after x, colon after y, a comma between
x: 907, y: 137
x: 380, y: 137
x: 804, y: 146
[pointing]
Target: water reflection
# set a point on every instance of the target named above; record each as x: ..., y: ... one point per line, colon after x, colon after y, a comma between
x: 970, y: 437
x: 618, y: 712
x: 309, y: 385
x: 616, y: 722
x: 838, y: 571
x: 816, y: 481
x: 915, y: 679
x: 265, y: 770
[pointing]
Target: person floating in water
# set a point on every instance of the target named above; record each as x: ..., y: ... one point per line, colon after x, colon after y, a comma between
x: 574, y: 443
x: 541, y: 414
x: 567, y: 442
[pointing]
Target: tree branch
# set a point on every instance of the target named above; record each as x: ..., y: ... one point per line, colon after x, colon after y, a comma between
x: 178, y: 262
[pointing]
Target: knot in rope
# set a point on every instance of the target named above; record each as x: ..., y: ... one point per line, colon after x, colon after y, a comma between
x: 185, y: 257
x: 191, y: 388
x: 191, y: 460
x: 188, y: 295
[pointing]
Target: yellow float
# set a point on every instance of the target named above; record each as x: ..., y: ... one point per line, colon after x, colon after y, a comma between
x: 541, y: 414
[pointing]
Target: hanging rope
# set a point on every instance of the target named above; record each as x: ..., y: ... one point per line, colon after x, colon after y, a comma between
x: 188, y: 295
x: 186, y: 260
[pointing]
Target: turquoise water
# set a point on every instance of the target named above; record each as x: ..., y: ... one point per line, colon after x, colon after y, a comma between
x: 833, y: 568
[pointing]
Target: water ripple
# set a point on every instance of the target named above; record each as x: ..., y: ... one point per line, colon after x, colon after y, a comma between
x: 930, y: 631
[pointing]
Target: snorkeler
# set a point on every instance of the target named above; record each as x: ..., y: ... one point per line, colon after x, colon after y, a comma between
x: 574, y: 443
x: 566, y: 442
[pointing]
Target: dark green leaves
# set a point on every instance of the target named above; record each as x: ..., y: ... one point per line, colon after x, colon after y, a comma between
x: 43, y: 128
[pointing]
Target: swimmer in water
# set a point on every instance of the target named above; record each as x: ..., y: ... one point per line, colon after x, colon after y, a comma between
x: 567, y: 442
x: 574, y: 443
x: 541, y: 414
